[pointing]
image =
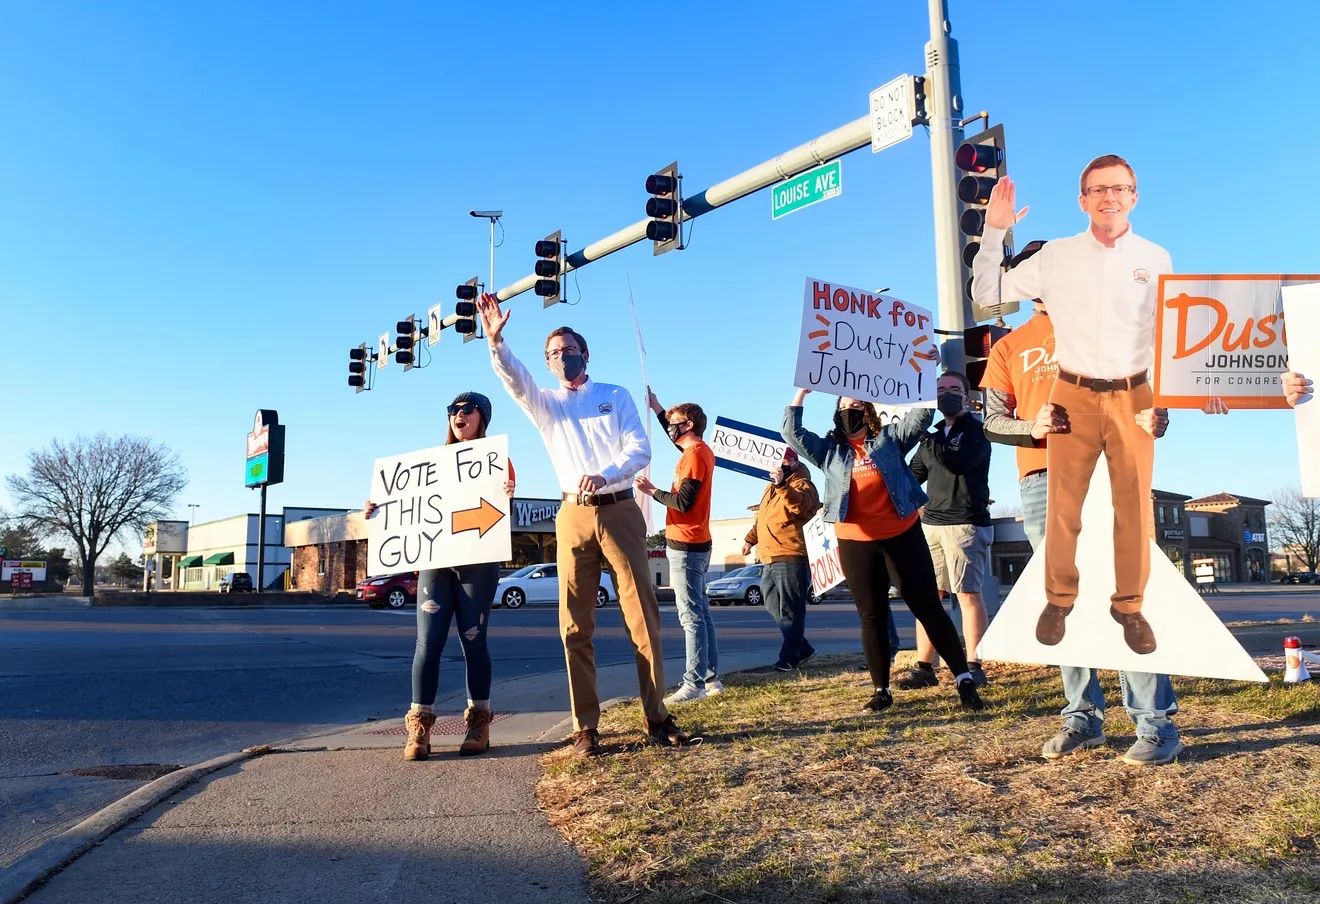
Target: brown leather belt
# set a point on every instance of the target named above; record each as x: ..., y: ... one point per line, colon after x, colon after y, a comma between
x: 1095, y: 385
x: 598, y: 498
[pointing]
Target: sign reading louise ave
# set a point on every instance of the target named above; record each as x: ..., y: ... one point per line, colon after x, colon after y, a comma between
x: 805, y: 189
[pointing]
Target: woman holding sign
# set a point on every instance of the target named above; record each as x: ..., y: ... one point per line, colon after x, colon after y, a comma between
x: 464, y: 593
x: 872, y: 499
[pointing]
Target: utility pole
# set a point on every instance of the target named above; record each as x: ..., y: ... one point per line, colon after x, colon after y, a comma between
x: 944, y: 97
x: 494, y: 217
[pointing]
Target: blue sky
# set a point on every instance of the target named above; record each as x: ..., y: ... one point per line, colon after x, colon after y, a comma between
x: 207, y: 204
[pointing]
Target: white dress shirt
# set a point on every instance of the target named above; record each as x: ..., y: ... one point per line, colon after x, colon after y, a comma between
x: 593, y: 429
x: 1101, y: 300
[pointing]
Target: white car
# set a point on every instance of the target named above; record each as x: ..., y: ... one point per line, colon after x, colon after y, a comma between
x: 540, y: 584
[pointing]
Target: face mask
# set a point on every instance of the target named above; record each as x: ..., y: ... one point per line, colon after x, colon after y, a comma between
x: 949, y: 403
x: 675, y: 431
x: 849, y: 420
x: 568, y: 368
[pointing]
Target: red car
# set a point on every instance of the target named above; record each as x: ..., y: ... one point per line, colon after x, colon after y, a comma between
x: 395, y: 590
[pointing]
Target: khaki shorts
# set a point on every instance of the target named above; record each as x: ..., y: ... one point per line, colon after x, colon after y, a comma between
x: 960, y: 554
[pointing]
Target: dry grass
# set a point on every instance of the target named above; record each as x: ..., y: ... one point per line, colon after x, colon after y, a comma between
x: 793, y: 796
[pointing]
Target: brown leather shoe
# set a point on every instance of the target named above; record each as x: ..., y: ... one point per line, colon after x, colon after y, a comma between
x: 1136, y: 631
x: 1050, y: 626
x: 666, y: 733
x: 586, y: 742
x: 419, y: 735
x: 478, y: 732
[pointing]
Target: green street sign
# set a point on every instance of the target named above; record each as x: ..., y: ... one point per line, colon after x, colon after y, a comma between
x: 805, y: 189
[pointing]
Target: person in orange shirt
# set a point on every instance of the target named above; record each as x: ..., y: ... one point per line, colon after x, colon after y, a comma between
x: 872, y: 499
x: 688, y: 544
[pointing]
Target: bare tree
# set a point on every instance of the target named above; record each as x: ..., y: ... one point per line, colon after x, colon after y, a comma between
x: 1295, y: 525
x: 93, y: 490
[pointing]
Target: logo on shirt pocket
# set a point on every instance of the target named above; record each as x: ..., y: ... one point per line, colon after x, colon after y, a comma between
x: 606, y: 407
x: 1141, y: 275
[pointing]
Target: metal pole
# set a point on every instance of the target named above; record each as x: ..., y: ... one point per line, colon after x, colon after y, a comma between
x: 492, y: 252
x: 944, y: 97
x: 261, y: 543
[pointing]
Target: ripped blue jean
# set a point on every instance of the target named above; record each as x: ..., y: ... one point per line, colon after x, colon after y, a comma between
x: 464, y: 593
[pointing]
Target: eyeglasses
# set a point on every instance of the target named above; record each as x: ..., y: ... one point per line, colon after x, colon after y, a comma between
x: 566, y: 350
x: 1099, y: 191
x: 466, y: 408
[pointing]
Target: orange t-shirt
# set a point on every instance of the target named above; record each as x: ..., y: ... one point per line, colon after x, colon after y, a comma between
x: 693, y: 526
x: 1022, y: 365
x: 871, y: 513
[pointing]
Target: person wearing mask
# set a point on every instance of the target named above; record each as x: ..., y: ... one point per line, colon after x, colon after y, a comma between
x: 788, y: 503
x: 596, y: 444
x: 953, y: 461
x: 465, y: 593
x: 872, y: 499
x: 688, y: 544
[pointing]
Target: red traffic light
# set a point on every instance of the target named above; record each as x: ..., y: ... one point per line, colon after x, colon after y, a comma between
x: 467, y: 291
x: 547, y: 248
x: 661, y: 184
x: 977, y: 158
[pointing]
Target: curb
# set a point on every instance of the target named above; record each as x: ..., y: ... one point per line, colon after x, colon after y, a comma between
x: 24, y: 876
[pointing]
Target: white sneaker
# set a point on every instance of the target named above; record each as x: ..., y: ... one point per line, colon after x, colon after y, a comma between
x: 686, y: 693
x: 714, y: 686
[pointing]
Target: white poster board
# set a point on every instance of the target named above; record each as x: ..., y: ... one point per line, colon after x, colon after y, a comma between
x: 1301, y: 306
x: 439, y: 507
x: 866, y: 346
x: 746, y: 448
x: 36, y: 567
x: 822, y: 554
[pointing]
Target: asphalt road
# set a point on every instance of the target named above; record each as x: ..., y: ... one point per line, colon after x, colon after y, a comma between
x: 94, y: 690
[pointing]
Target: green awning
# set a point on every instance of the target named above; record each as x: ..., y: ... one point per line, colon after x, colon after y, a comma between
x: 190, y: 561
x: 220, y: 558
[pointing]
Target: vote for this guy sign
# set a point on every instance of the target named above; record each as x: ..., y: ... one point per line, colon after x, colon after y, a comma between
x: 865, y: 345
x: 440, y: 507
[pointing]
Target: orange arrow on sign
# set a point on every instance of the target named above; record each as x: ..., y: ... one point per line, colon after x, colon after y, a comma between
x: 482, y: 518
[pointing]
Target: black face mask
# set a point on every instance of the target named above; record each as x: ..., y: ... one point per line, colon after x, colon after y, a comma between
x: 949, y: 403
x: 849, y: 420
x: 568, y: 368
x: 675, y: 431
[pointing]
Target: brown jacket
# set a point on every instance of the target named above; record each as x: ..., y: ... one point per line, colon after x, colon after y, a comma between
x: 777, y: 533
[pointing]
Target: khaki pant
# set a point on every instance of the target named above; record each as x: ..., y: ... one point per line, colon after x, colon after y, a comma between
x: 616, y: 533
x: 1101, y: 422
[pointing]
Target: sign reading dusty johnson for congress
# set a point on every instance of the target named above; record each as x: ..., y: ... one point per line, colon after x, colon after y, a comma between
x: 441, y: 506
x: 865, y: 346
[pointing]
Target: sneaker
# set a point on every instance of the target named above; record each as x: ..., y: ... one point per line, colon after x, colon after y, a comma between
x: 477, y: 739
x: 586, y: 742
x: 806, y: 654
x: 666, y: 733
x: 714, y: 686
x: 880, y: 700
x: 418, y: 725
x: 1070, y: 740
x: 1153, y: 751
x: 685, y: 693
x: 978, y: 675
x: 782, y: 666
x: 968, y: 695
x: 917, y: 677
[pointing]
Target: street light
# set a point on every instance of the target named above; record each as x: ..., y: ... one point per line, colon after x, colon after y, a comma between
x: 192, y: 510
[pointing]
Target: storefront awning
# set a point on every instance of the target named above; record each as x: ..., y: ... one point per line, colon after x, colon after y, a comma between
x: 190, y: 561
x: 220, y: 558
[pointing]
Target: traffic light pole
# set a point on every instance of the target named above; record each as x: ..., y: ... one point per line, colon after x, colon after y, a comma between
x: 944, y: 99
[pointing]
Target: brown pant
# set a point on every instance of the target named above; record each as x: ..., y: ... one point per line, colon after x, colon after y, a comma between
x: 584, y: 535
x: 1101, y: 422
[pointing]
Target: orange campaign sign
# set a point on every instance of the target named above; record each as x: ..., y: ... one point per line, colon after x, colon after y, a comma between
x: 1221, y: 336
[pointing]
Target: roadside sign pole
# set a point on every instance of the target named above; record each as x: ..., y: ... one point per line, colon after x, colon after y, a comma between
x: 261, y: 543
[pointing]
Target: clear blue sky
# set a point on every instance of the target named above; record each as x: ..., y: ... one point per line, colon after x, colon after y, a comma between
x: 207, y: 204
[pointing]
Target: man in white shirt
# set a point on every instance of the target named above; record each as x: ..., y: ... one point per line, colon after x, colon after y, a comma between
x: 1100, y: 290
x: 596, y: 443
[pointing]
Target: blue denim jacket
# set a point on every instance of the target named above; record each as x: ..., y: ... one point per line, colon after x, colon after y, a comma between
x: 887, y: 449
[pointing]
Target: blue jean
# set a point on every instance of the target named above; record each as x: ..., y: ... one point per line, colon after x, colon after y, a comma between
x: 687, y: 572
x: 1149, y: 699
x: 786, y: 585
x: 444, y: 594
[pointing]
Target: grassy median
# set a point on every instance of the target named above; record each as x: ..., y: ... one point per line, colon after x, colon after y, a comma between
x: 795, y: 796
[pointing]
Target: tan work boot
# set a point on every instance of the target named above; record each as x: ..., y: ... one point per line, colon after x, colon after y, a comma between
x: 478, y: 731
x: 419, y: 734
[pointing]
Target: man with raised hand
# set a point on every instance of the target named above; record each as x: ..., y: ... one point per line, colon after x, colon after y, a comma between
x: 596, y: 444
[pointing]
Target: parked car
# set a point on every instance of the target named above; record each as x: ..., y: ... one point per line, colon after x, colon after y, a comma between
x: 738, y: 587
x: 394, y: 590
x: 540, y: 584
x: 236, y: 582
x: 1303, y: 577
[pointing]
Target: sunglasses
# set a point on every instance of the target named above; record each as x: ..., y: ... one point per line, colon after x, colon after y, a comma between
x: 466, y: 408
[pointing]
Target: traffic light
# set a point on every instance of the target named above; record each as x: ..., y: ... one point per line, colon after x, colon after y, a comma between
x: 357, y: 367
x: 466, y: 310
x: 405, y: 338
x: 550, y: 268
x: 982, y: 162
x: 664, y: 208
x: 977, y: 341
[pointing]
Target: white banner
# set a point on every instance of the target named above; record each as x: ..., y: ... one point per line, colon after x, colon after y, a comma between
x: 865, y: 346
x: 746, y: 448
x: 439, y: 507
x: 822, y: 554
x: 1222, y: 336
x: 36, y: 566
x: 1301, y: 305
